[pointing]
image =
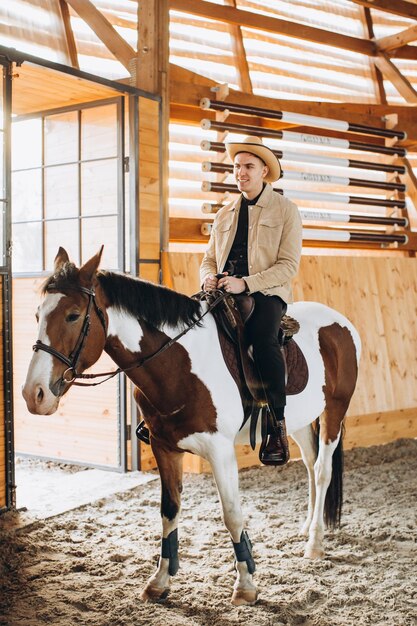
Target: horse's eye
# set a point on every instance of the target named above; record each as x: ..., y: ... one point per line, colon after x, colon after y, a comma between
x: 37, y: 316
x: 72, y: 317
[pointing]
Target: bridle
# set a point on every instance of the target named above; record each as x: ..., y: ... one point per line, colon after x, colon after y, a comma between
x: 70, y: 374
x: 72, y: 360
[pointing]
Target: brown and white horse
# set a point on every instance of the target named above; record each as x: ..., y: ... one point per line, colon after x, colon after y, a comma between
x: 188, y: 398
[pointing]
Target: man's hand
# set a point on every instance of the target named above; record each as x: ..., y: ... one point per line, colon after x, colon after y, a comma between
x: 210, y: 283
x: 231, y: 284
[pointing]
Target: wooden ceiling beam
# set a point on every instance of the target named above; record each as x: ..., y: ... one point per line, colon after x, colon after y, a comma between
x: 230, y: 15
x: 393, y: 74
x: 397, y: 41
x: 408, y: 53
x: 377, y: 77
x: 397, y: 7
x: 69, y: 34
x: 239, y: 53
x: 104, y: 31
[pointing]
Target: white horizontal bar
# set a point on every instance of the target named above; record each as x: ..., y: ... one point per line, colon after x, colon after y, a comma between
x: 323, y: 216
x: 303, y: 157
x: 320, y: 122
x: 315, y: 178
x: 313, y: 195
x: 318, y: 140
x: 313, y: 234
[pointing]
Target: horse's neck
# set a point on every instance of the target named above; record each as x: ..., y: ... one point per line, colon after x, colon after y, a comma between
x: 129, y: 340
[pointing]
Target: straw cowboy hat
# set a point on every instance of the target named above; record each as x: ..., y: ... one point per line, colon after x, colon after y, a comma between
x: 254, y: 145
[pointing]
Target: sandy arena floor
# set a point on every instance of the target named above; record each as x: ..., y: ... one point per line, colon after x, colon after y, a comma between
x: 87, y: 566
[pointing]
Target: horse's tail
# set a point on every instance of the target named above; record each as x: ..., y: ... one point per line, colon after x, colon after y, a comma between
x: 334, y: 496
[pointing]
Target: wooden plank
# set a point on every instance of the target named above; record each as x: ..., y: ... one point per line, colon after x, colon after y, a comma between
x: 397, y: 7
x: 69, y: 34
x: 190, y: 94
x: 398, y: 40
x: 153, y: 48
x: 406, y: 52
x: 377, y: 78
x: 400, y: 82
x: 58, y: 90
x: 239, y: 54
x: 149, y: 271
x: 104, y: 31
x: 410, y: 180
x: 231, y: 15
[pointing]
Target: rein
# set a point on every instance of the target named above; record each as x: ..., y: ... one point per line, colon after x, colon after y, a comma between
x: 73, y: 358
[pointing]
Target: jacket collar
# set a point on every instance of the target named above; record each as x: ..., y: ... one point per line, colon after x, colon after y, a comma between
x: 263, y: 200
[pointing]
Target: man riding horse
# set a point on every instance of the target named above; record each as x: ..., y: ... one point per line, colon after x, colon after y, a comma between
x: 256, y: 244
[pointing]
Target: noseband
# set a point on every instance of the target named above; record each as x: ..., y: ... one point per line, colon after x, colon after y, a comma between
x: 70, y: 374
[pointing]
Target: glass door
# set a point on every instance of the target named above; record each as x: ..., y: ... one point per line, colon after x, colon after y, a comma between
x: 68, y: 190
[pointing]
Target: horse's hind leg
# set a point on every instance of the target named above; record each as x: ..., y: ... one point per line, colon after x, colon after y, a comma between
x: 170, y: 470
x: 225, y: 470
x: 306, y: 440
x: 328, y: 470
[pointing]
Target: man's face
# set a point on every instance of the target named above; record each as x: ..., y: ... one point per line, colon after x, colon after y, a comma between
x: 250, y: 172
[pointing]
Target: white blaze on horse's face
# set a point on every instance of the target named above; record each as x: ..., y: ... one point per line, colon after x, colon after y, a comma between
x: 39, y: 398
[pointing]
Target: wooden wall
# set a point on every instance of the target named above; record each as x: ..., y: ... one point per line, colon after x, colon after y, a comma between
x: 149, y: 238
x: 379, y: 295
x: 84, y: 429
x: 3, y: 474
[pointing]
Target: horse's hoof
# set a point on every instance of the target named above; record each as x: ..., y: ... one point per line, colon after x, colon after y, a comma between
x: 313, y: 553
x: 241, y: 597
x: 154, y: 594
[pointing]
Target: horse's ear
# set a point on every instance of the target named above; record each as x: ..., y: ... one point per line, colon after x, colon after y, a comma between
x: 61, y: 258
x: 88, y: 270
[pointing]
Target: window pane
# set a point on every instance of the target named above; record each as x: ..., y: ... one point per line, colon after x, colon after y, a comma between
x: 99, y: 132
x: 27, y: 247
x: 61, y: 138
x: 99, y: 187
x: 27, y: 195
x: 97, y: 231
x: 61, y: 191
x: 27, y: 144
x: 63, y: 233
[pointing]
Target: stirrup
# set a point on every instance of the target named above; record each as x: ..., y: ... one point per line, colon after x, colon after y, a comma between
x: 142, y: 432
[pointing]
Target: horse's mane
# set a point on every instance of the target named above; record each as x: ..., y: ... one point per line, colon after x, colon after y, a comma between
x: 156, y: 304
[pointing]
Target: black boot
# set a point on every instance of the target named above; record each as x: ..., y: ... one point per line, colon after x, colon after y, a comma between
x: 274, y: 448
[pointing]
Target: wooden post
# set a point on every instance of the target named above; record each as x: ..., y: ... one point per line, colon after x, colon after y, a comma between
x: 152, y: 75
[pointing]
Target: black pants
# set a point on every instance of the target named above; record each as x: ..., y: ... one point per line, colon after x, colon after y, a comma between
x: 262, y: 329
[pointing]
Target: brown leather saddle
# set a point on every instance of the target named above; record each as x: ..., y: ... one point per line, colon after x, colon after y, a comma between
x: 231, y: 316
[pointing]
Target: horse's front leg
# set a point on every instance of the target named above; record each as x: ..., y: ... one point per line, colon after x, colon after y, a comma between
x: 170, y: 470
x: 225, y: 470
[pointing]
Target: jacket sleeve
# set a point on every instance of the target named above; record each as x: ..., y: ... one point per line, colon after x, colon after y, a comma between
x: 208, y: 264
x: 288, y: 260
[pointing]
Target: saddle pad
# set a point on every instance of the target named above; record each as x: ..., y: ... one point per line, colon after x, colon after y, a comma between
x: 297, y: 368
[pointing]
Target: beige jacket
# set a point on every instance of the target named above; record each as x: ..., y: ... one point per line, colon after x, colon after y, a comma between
x: 274, y: 243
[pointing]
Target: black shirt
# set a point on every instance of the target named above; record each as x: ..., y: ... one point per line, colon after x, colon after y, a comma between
x: 237, y: 261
